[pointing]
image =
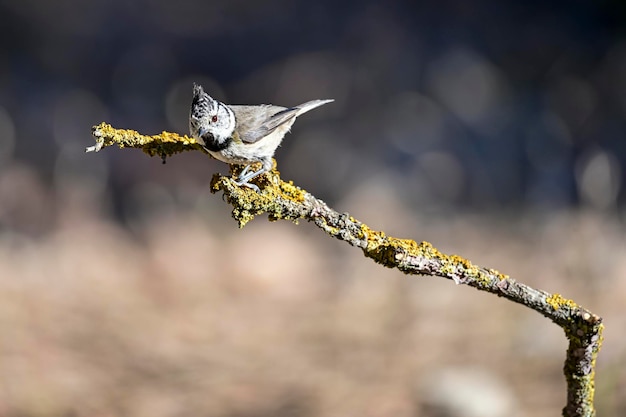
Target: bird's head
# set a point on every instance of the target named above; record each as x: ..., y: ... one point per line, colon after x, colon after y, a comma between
x: 210, y: 121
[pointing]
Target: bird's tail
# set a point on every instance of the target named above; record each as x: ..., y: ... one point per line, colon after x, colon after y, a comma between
x: 310, y: 105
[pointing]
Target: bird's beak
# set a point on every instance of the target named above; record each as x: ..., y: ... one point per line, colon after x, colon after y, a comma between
x: 202, y: 131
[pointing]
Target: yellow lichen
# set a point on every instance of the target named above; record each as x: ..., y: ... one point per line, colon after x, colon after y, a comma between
x: 374, y: 238
x: 173, y: 137
x: 556, y: 301
x: 163, y: 145
x: 292, y: 192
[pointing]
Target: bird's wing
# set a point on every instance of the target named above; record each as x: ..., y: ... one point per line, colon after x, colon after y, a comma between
x: 256, y: 122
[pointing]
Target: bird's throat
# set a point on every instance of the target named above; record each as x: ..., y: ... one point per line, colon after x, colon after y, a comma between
x: 212, y: 144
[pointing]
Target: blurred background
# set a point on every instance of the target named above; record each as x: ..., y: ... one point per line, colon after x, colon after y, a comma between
x: 494, y: 130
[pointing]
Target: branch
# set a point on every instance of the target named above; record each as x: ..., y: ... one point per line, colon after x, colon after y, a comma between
x: 283, y: 200
x: 164, y: 145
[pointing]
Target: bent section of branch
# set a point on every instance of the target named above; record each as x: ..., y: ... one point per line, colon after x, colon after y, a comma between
x: 284, y: 200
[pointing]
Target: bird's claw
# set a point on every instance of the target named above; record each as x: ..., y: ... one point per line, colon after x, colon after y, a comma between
x: 249, y: 185
x: 245, y: 176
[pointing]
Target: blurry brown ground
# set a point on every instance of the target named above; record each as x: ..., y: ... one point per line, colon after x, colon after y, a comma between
x: 181, y: 314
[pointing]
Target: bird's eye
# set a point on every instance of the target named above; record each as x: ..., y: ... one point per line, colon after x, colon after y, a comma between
x: 214, y: 119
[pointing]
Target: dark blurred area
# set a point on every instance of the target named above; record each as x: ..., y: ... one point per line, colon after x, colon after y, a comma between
x: 469, y: 104
x: 492, y: 129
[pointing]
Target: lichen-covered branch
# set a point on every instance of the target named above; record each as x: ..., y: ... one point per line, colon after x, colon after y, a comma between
x: 283, y: 200
x: 163, y: 145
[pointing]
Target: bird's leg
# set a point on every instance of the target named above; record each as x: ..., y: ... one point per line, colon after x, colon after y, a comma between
x: 244, y: 171
x: 241, y: 179
x: 245, y: 176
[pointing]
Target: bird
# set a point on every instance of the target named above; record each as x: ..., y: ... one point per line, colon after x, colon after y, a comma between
x: 242, y: 134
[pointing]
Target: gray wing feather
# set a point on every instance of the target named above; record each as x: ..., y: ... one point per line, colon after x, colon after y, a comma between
x: 256, y: 122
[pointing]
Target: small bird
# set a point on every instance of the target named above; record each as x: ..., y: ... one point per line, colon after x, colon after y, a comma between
x: 242, y: 135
